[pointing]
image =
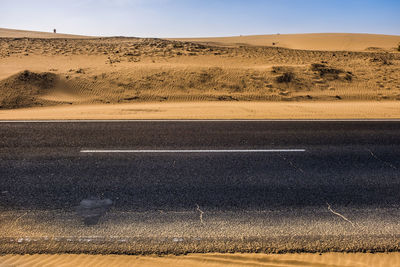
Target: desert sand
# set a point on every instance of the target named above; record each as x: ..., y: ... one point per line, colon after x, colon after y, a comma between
x: 316, y: 41
x: 78, y: 72
x: 11, y: 33
x: 328, y: 259
x: 211, y: 110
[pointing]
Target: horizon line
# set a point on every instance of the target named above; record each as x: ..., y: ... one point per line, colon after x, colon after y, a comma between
x: 199, y: 37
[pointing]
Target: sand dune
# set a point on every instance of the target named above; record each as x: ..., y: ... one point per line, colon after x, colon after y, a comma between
x: 38, y: 72
x: 328, y: 259
x: 11, y: 33
x: 317, y: 41
x: 43, y: 72
x: 311, y: 41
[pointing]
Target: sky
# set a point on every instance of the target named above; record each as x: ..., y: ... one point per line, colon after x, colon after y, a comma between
x: 201, y: 18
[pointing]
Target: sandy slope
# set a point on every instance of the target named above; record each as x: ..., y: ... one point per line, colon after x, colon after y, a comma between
x: 11, y: 33
x: 129, y: 70
x: 38, y: 72
x: 328, y: 259
x: 317, y: 41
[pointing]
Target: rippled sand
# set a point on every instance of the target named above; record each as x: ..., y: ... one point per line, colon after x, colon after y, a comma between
x: 329, y: 259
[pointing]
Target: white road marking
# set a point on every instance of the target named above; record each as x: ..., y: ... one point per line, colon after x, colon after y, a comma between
x: 199, y: 151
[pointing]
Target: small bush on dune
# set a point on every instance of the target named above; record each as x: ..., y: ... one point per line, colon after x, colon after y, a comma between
x: 42, y: 80
x: 286, y: 77
x: 331, y: 73
x: 398, y: 48
x: 286, y: 74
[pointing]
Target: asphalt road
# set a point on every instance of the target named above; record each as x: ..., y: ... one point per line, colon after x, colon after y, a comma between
x: 232, y: 167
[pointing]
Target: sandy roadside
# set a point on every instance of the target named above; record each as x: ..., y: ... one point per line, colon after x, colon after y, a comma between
x: 212, y: 110
x: 328, y: 259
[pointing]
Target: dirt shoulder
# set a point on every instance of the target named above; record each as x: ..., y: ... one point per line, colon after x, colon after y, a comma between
x: 212, y: 110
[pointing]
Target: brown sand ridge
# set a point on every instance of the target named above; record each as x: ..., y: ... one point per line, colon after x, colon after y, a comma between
x: 314, y: 41
x: 11, y: 33
x: 37, y: 72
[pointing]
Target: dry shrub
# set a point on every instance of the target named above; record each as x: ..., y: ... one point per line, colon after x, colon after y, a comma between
x: 331, y: 73
x: 43, y: 80
x: 286, y: 77
x: 287, y: 74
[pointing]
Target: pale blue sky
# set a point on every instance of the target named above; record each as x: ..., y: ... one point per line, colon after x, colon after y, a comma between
x: 193, y: 18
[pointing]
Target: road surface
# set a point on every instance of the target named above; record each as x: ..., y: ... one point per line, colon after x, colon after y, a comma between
x: 184, y: 186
